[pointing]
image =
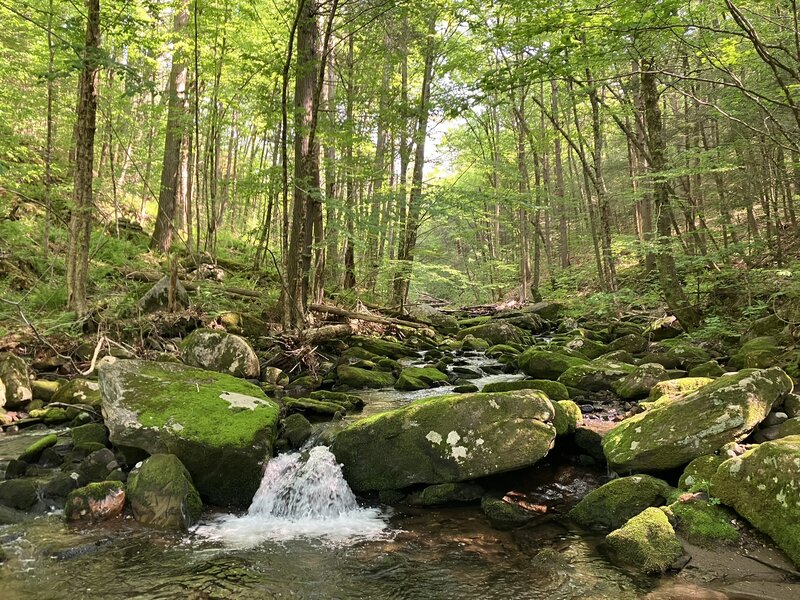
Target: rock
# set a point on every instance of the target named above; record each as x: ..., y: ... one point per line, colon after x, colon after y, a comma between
x: 791, y: 406
x: 789, y: 427
x: 700, y: 423
x: 466, y: 388
x: 553, y: 389
x: 763, y: 485
x: 683, y: 353
x: 59, y: 486
x: 663, y: 329
x: 588, y: 348
x: 157, y: 297
x: 52, y: 415
x: 303, y: 385
x: 419, y: 378
x: 701, y: 522
x: 546, y: 309
x: 446, y: 493
x: 43, y: 389
x: 34, y: 451
x: 296, y: 429
x: 314, y: 408
x: 771, y: 325
x: 220, y: 351
x: 16, y: 469
x: 709, y: 368
x: 523, y: 320
x: 665, y: 392
x: 349, y: 401
x: 699, y: 472
x: 567, y: 416
x: 356, y: 378
x: 15, y: 382
x: 96, y: 502
x: 383, y: 347
x: 596, y: 376
x: 496, y: 332
x: 471, y: 343
x: 758, y: 353
x: 646, y: 542
x: 243, y: 324
x: 97, y: 466
x: 544, y: 364
x: 274, y: 375
x: 633, y: 343
x: 446, y: 439
x: 18, y: 493
x: 611, y: 505
x: 162, y: 495
x: 503, y: 515
x: 220, y: 427
x: 91, y: 433
x: 620, y: 356
x: 639, y: 383
x: 425, y: 313
x: 79, y: 391
x: 501, y: 349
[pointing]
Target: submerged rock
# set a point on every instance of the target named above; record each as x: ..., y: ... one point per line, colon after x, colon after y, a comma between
x: 614, y: 503
x: 763, y: 485
x: 446, y: 439
x: 646, y: 542
x: 220, y: 351
x: 18, y: 493
x: 34, y: 451
x: 96, y: 502
x: 162, y: 494
x: 503, y: 515
x: 446, y: 493
x: 15, y: 381
x: 220, y: 427
x: 673, y: 434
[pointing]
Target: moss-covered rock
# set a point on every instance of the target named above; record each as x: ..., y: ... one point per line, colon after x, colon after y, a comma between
x: 215, y: 350
x: 43, y: 389
x: 157, y: 297
x: 501, y: 349
x: 632, y: 342
x: 52, y: 415
x: 496, y: 332
x: 663, y: 328
x: 646, y: 542
x: 79, y: 391
x: 162, y: 494
x: 446, y: 493
x: 710, y: 369
x: 296, y: 429
x: 553, y: 389
x: 470, y: 342
x: 670, y: 390
x: 702, y: 522
x: 15, y: 381
x: 95, y: 502
x: 789, y: 427
x: 425, y: 313
x: 613, y: 503
x: 18, y: 493
x: 763, y: 486
x: 356, y: 378
x: 758, y: 353
x: 383, y: 347
x: 446, y: 439
x: 349, y: 401
x: 503, y: 515
x: 546, y: 364
x: 567, y: 416
x: 673, y: 434
x: 699, y: 472
x: 791, y: 406
x: 589, y: 348
x: 34, y: 451
x: 314, y: 408
x: 683, y: 353
x: 91, y: 433
x: 220, y: 427
x: 419, y: 378
x: 641, y: 381
x: 597, y: 376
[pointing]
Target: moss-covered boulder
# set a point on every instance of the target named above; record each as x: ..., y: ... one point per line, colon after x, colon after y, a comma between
x: 215, y: 350
x: 296, y: 429
x: 356, y: 378
x: 500, y: 349
x: 495, y: 332
x: 546, y: 364
x: 789, y: 427
x: 567, y: 416
x: 758, y: 353
x: 710, y: 369
x: 663, y: 328
x: 96, y: 502
x: 646, y: 542
x: 349, y: 401
x: 613, y: 503
x: 670, y: 390
x: 791, y: 406
x: 15, y: 381
x: 314, y: 408
x: 641, y: 381
x: 79, y: 391
x: 446, y: 439
x: 596, y: 376
x: 587, y: 347
x: 699, y: 472
x: 220, y: 427
x: 470, y: 342
x: 446, y: 493
x: 34, y: 451
x: 553, y: 389
x: 771, y: 325
x: 763, y: 486
x: 673, y: 434
x: 632, y: 342
x: 419, y: 378
x: 157, y: 297
x: 162, y: 495
x: 702, y: 522
x: 18, y: 493
x: 425, y: 313
x: 682, y: 352
x: 383, y: 346
x: 504, y: 515
x: 91, y: 433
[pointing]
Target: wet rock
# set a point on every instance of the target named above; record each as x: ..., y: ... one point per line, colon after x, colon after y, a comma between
x: 43, y: 389
x: 597, y: 376
x: 446, y: 439
x: 496, y: 332
x: 50, y: 458
x: 641, y: 381
x: 356, y: 378
x: 15, y: 382
x: 419, y: 378
x: 219, y: 351
x: 501, y: 349
x: 97, y: 466
x: 671, y: 435
x: 699, y: 472
x: 303, y: 385
x: 314, y: 408
x: 157, y: 297
x: 553, y: 389
x: 34, y: 451
x: 79, y: 391
x: 95, y: 502
x: 646, y: 542
x: 762, y: 485
x: 16, y: 469
x: 617, y: 501
x: 296, y: 429
x: 349, y: 401
x: 446, y: 493
x: 59, y: 486
x: 91, y: 433
x: 545, y: 364
x: 209, y: 420
x: 504, y: 515
x: 18, y: 493
x: 466, y: 388
x: 162, y: 494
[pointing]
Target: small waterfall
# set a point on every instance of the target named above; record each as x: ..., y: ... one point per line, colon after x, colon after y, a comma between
x: 302, y: 495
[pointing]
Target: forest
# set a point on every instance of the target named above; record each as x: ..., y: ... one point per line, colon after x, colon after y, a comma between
x: 250, y: 249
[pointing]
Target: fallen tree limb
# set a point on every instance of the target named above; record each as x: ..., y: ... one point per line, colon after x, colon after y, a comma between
x: 341, y: 312
x: 152, y: 277
x: 325, y: 333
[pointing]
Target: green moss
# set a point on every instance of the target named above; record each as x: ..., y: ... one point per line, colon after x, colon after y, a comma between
x: 446, y: 493
x: 553, y: 389
x: 34, y: 451
x: 646, y: 542
x: 704, y: 523
x: 699, y: 472
x: 613, y: 503
x: 383, y: 347
x: 496, y: 332
x: 419, y: 378
x: 500, y: 349
x: 362, y: 378
x: 599, y: 375
x: 668, y: 391
x: 503, y: 515
x: 162, y: 494
x: 309, y: 406
x: 567, y: 416
x: 544, y: 364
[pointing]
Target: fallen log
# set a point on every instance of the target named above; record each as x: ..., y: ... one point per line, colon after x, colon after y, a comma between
x: 153, y: 277
x: 341, y: 312
x: 325, y: 333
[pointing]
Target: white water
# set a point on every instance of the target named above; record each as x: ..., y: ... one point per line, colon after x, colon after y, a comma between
x: 301, y: 496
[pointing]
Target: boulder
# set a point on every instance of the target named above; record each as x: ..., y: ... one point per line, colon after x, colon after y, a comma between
x: 446, y: 493
x: 91, y: 433
x: 496, y: 332
x: 220, y: 427
x: 546, y: 309
x: 771, y: 325
x: 79, y: 391
x: 296, y: 429
x: 596, y: 376
x: 349, y: 401
x: 470, y: 342
x: 567, y: 416
x: 162, y: 495
x: 425, y: 313
x: 157, y: 297
x: 632, y: 342
x: 383, y: 347
x: 709, y: 368
x: 763, y: 486
x: 503, y: 515
x: 314, y: 408
x: 446, y: 439
x: 683, y: 353
x: 670, y: 390
x: 96, y: 502
x: 220, y: 351
x: 646, y: 542
x: 791, y: 406
x: 20, y: 494
x: 356, y: 378
x: 673, y: 434
x: 641, y: 381
x: 758, y: 353
x: 545, y: 364
x: 789, y: 427
x: 15, y: 381
x: 97, y: 466
x: 702, y: 522
x: 43, y: 389
x: 614, y: 503
x: 553, y: 389
x: 588, y: 348
x: 663, y: 328
x: 419, y: 378
x: 699, y: 472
